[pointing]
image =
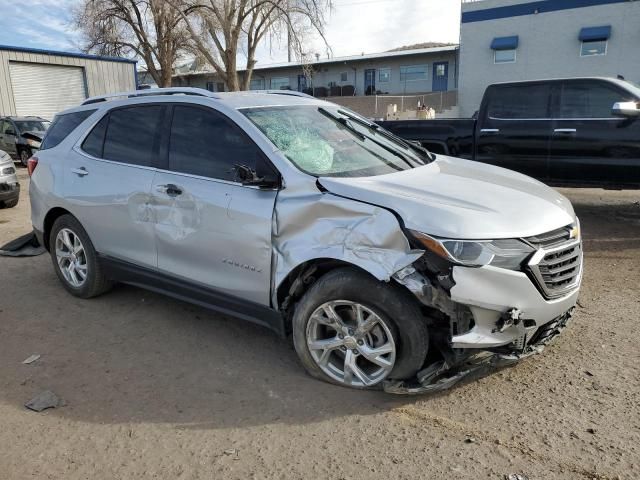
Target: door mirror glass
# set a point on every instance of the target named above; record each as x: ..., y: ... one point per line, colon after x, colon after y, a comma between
x: 625, y: 109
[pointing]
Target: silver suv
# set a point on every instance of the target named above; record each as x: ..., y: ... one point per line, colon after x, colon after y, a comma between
x: 391, y: 267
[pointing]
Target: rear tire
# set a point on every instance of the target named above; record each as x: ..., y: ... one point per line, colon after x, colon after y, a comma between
x: 75, y: 260
x: 10, y: 203
x: 352, y: 330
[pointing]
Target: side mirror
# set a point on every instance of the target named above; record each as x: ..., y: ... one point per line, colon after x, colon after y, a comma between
x: 625, y: 109
x: 9, y: 131
x: 264, y: 176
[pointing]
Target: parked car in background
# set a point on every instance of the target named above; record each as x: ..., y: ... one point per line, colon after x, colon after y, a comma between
x: 9, y: 185
x: 577, y: 132
x: 391, y: 267
x: 20, y: 137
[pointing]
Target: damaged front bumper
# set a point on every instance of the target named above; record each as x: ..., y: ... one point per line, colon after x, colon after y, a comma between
x: 446, y: 373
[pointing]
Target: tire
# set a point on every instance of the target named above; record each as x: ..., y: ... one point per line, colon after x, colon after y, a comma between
x: 94, y: 282
x: 391, y: 313
x: 10, y: 203
x: 25, y: 155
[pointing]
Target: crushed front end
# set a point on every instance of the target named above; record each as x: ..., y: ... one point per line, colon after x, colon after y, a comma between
x: 486, y: 317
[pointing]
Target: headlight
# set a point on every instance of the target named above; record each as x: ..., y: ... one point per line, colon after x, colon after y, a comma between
x: 508, y: 253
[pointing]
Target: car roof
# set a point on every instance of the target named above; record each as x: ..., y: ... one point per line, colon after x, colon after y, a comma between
x: 25, y: 119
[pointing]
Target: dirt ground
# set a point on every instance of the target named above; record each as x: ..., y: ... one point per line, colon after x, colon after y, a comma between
x: 156, y: 388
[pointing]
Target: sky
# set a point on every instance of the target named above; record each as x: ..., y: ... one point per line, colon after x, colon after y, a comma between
x: 353, y: 26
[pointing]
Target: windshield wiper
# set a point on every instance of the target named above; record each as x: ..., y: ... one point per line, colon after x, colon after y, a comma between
x: 395, y: 139
x: 342, y: 122
x: 361, y: 136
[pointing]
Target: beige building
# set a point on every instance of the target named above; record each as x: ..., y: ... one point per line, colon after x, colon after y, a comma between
x: 42, y: 82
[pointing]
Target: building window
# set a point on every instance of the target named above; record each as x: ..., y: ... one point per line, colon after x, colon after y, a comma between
x: 413, y: 73
x: 343, y: 77
x: 593, y: 47
x: 280, y: 83
x: 256, y: 84
x: 504, y: 56
x: 210, y: 86
x: 594, y: 40
x: 220, y: 87
x: 384, y: 75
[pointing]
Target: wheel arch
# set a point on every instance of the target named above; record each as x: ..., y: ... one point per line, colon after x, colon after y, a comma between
x: 49, y: 219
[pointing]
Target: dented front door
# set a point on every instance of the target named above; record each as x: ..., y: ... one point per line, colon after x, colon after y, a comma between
x: 215, y: 234
x: 210, y: 229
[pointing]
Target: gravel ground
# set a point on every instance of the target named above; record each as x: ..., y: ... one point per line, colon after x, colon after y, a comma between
x: 158, y: 388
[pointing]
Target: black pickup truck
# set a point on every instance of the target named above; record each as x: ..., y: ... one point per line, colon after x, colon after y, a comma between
x: 578, y: 132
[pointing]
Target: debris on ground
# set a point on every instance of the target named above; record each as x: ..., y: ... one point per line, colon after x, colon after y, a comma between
x: 44, y: 400
x: 31, y: 359
x: 470, y: 439
x: 516, y: 476
x: 592, y: 431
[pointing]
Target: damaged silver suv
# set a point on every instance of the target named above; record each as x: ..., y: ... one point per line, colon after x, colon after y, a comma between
x: 391, y: 267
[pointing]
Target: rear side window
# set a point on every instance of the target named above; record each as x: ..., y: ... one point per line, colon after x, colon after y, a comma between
x: 131, y: 135
x: 62, y: 126
x: 94, y: 142
x: 519, y: 102
x: 206, y: 143
x: 589, y: 100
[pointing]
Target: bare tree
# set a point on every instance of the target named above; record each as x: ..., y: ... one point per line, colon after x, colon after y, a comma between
x: 152, y: 30
x: 219, y: 29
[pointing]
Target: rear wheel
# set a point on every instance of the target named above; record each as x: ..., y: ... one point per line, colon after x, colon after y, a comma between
x: 352, y: 330
x: 10, y: 203
x: 75, y: 260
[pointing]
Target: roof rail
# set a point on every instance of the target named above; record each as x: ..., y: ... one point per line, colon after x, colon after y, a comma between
x: 293, y: 93
x: 150, y: 93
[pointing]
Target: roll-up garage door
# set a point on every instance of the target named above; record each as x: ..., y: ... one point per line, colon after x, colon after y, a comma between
x: 44, y: 90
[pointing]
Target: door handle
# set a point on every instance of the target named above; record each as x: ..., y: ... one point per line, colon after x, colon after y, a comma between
x: 490, y: 130
x: 565, y: 131
x: 81, y: 172
x: 169, y: 189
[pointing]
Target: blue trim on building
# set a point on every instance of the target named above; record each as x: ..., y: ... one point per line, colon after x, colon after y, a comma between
x: 505, y: 43
x: 595, y: 33
x: 531, y: 8
x: 65, y: 54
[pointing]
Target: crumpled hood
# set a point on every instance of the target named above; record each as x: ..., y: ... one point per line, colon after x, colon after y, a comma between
x: 462, y: 199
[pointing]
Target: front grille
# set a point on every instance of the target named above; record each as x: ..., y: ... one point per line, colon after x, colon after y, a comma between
x: 557, y: 265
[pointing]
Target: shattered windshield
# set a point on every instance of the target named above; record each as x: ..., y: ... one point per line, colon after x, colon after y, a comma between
x: 325, y: 141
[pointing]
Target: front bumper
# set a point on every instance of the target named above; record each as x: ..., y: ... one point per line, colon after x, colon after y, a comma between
x: 9, y: 191
x: 507, y: 307
x: 443, y: 375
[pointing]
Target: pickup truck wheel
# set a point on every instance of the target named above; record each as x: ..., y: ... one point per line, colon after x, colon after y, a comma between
x: 75, y: 260
x: 352, y: 330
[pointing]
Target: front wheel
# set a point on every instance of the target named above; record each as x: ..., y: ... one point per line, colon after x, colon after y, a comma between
x: 352, y: 330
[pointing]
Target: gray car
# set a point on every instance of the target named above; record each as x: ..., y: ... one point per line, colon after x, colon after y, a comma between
x: 20, y: 137
x: 389, y: 266
x: 9, y: 185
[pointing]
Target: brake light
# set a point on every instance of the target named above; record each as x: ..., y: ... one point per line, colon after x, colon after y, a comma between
x: 32, y: 163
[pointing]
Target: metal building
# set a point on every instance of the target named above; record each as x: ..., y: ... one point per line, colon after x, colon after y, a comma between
x: 43, y: 82
x: 510, y: 40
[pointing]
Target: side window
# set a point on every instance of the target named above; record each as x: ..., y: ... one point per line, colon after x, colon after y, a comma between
x: 588, y: 100
x: 94, y: 142
x: 519, y: 102
x: 62, y: 126
x: 206, y: 143
x: 131, y: 134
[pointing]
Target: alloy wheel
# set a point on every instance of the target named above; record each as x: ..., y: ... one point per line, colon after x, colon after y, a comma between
x: 71, y: 257
x: 351, y: 343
